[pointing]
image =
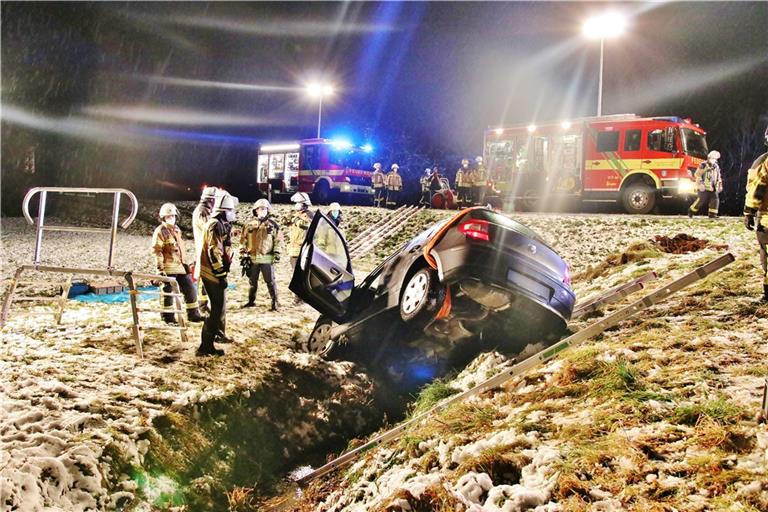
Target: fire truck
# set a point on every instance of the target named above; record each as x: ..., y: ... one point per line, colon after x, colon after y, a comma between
x: 326, y: 169
x: 632, y: 160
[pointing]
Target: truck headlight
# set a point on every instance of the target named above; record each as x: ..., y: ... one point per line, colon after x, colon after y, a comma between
x: 345, y: 187
x: 685, y: 187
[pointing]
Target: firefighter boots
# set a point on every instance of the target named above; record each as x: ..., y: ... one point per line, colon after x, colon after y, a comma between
x: 765, y: 293
x: 193, y: 315
x: 169, y: 318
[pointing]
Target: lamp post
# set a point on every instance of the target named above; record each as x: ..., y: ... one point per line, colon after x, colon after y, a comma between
x: 319, y: 91
x: 601, y: 27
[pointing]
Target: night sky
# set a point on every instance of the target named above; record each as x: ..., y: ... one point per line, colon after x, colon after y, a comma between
x: 135, y: 94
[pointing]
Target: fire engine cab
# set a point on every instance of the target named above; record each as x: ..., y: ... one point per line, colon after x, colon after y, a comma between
x: 326, y: 169
x: 635, y: 161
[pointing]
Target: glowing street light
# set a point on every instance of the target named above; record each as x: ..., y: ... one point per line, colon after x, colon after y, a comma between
x: 319, y: 91
x: 601, y: 27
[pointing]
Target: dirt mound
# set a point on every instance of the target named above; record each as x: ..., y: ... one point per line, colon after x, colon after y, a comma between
x: 637, y: 251
x: 683, y: 244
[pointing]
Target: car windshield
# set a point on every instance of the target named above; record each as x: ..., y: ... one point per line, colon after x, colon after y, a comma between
x: 350, y: 158
x: 501, y: 220
x: 694, y: 143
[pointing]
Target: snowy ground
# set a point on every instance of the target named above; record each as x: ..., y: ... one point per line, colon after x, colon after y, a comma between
x: 655, y: 415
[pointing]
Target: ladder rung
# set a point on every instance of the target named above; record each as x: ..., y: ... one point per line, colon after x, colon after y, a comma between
x: 30, y: 299
x: 165, y: 327
x: 164, y: 294
x: 159, y: 310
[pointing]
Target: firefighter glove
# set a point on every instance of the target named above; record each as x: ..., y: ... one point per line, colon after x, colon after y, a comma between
x: 749, y: 221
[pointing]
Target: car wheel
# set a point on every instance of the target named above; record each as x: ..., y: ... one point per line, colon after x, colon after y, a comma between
x: 638, y: 198
x: 421, y: 297
x: 319, y: 341
x: 322, y: 192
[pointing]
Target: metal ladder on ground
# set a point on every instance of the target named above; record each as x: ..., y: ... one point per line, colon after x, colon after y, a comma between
x: 130, y: 277
x: 385, y: 229
x: 535, y: 360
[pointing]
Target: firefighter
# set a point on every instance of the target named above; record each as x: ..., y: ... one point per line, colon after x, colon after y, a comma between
x: 200, y: 217
x: 259, y: 250
x: 479, y: 182
x: 426, y: 193
x: 394, y: 186
x: 298, y: 223
x: 709, y: 183
x: 215, y: 261
x: 463, y: 183
x: 171, y: 261
x: 379, y: 189
x: 334, y: 213
x: 756, y: 209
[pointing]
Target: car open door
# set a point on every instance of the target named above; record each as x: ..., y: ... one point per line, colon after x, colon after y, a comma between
x: 323, y: 274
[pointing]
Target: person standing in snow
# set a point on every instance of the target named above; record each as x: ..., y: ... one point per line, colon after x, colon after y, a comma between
x: 200, y: 217
x: 463, y: 184
x: 298, y: 224
x: 215, y: 261
x: 260, y: 249
x: 379, y: 190
x: 426, y: 193
x: 479, y: 182
x: 171, y: 260
x: 394, y: 186
x: 334, y: 213
x: 709, y: 183
x: 756, y: 209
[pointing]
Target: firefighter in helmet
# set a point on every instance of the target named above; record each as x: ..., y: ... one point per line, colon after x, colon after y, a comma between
x: 379, y: 189
x: 426, y: 193
x: 200, y: 217
x: 259, y: 250
x: 463, y: 183
x: 709, y: 183
x: 479, y: 182
x: 334, y: 213
x: 171, y: 260
x: 298, y: 224
x: 756, y: 209
x: 394, y: 186
x: 215, y: 261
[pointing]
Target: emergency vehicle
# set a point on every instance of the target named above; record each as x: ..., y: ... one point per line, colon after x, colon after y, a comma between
x: 635, y: 161
x: 326, y: 169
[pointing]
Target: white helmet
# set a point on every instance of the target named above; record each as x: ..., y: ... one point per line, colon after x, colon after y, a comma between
x: 334, y: 206
x: 479, y: 159
x: 225, y: 202
x: 261, y: 203
x: 377, y: 165
x: 209, y: 193
x: 301, y: 198
x: 713, y: 154
x: 168, y: 209
x: 427, y: 170
x: 395, y: 167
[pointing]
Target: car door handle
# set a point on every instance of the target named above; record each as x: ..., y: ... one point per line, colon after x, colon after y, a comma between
x: 334, y: 271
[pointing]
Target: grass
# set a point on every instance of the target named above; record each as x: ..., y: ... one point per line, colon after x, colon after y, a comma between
x: 719, y: 410
x: 431, y: 394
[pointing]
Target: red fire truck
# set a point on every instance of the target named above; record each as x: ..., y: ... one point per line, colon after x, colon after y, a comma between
x: 326, y: 169
x: 636, y: 161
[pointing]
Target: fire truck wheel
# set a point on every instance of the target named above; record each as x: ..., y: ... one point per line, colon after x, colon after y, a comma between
x: 530, y: 200
x: 322, y: 193
x: 638, y: 198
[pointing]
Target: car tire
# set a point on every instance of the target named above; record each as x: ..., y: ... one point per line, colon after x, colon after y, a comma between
x: 322, y: 192
x: 638, y: 198
x: 421, y: 297
x: 319, y: 341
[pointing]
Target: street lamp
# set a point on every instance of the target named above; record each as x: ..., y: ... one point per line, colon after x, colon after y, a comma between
x: 319, y: 91
x: 601, y: 27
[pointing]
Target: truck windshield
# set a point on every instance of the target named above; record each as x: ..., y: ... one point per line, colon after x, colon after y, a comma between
x: 694, y: 143
x: 350, y: 158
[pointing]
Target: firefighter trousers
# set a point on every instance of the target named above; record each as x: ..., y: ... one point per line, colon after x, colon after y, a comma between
x: 187, y: 289
x: 379, y: 196
x: 216, y: 321
x: 762, y: 242
x: 708, y: 197
x: 478, y: 195
x: 267, y: 271
x: 426, y: 198
x: 464, y: 196
x: 392, y: 198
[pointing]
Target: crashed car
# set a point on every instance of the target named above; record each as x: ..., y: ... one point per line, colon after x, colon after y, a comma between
x: 474, y: 282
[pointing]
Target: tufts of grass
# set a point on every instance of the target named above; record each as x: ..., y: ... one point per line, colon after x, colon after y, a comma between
x: 719, y: 410
x: 431, y: 394
x: 500, y: 465
x: 636, y: 252
x: 434, y: 498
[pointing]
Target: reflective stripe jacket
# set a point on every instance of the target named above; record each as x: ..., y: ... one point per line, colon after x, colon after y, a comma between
x: 260, y: 240
x: 394, y: 181
x: 708, y: 178
x: 216, y: 250
x: 200, y: 218
x: 479, y: 177
x: 377, y: 179
x: 297, y: 230
x: 463, y: 178
x: 169, y: 250
x: 757, y: 188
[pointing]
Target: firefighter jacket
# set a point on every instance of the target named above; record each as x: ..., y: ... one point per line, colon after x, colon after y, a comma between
x: 463, y: 177
x: 216, y: 250
x: 756, y: 199
x: 168, y: 246
x: 394, y: 181
x: 377, y: 179
x: 425, y: 182
x: 260, y: 240
x: 479, y: 177
x: 200, y: 218
x: 708, y: 178
x: 298, y: 224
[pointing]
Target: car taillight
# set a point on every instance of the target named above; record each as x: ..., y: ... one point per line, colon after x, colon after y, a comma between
x: 567, y: 278
x: 477, y: 229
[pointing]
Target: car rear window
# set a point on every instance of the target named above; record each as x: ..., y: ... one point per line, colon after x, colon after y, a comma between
x: 501, y: 220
